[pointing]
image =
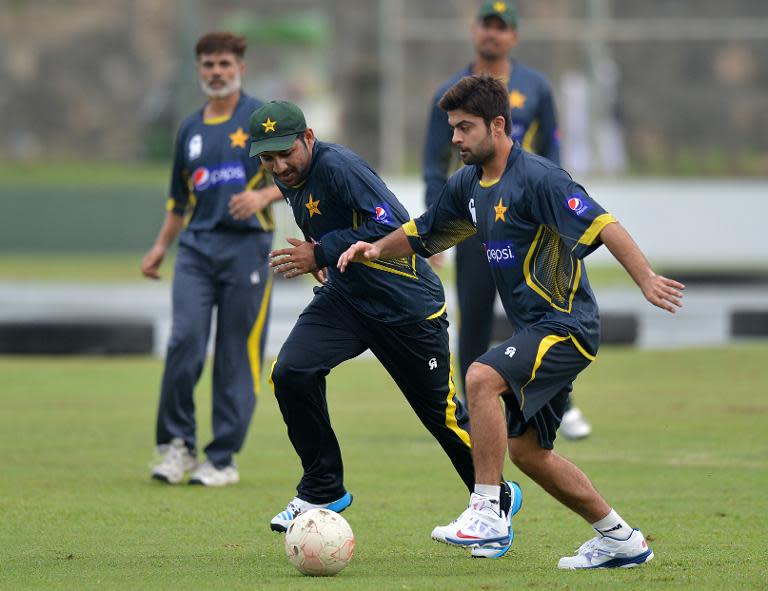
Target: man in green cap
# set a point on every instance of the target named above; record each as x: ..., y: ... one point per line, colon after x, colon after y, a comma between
x: 394, y: 307
x: 534, y: 127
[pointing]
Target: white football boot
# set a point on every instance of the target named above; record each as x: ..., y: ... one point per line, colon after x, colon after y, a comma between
x: 482, y: 524
x: 297, y: 506
x: 209, y: 475
x: 574, y: 425
x: 174, y: 460
x: 607, y: 552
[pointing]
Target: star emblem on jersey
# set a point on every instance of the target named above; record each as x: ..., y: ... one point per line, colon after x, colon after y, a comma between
x: 500, y: 211
x: 238, y: 138
x: 269, y: 125
x: 517, y: 99
x: 313, y: 206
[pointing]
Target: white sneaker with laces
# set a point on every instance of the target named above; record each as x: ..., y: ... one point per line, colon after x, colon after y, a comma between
x: 209, y: 475
x: 607, y: 552
x: 174, y: 460
x: 574, y: 425
x: 483, y: 523
x: 297, y: 506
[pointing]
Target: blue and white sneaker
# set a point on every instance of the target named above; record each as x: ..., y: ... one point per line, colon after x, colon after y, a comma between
x: 482, y: 524
x: 297, y: 506
x: 511, y: 503
x: 607, y: 552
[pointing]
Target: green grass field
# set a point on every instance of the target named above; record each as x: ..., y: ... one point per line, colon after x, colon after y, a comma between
x: 680, y: 447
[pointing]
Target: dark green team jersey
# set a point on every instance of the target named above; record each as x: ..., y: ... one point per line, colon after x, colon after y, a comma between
x: 343, y: 200
x: 536, y: 224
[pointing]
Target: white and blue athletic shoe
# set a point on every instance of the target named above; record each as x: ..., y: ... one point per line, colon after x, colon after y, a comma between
x: 511, y: 503
x: 297, y: 506
x: 482, y: 524
x: 607, y: 552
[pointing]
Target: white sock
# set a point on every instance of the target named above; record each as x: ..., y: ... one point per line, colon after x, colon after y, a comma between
x: 613, y: 526
x: 492, y: 491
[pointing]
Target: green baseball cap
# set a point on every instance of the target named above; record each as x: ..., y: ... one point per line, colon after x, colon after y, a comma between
x: 274, y: 127
x: 500, y: 9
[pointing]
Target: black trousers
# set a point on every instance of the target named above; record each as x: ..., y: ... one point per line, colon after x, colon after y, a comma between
x: 330, y: 331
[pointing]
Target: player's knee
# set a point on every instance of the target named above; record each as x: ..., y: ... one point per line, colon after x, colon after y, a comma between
x: 527, y: 458
x: 480, y: 380
x: 288, y: 379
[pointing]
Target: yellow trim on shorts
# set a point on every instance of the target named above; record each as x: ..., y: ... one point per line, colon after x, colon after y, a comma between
x: 254, y: 339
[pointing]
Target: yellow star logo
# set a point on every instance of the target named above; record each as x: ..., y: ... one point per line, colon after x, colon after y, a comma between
x: 517, y: 99
x: 500, y: 7
x: 313, y: 206
x: 500, y: 211
x: 238, y: 138
x: 269, y: 125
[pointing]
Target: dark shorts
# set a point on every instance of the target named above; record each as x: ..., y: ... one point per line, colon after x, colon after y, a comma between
x: 540, y: 363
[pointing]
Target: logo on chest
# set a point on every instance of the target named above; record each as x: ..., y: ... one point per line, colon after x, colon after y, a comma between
x: 500, y: 253
x: 207, y: 178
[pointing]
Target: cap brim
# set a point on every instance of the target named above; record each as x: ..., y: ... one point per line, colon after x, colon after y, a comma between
x: 273, y: 144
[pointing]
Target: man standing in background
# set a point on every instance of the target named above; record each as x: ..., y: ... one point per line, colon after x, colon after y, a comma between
x: 219, y: 204
x: 534, y: 127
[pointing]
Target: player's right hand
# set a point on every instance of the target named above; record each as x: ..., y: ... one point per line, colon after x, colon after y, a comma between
x: 150, y: 264
x: 359, y: 252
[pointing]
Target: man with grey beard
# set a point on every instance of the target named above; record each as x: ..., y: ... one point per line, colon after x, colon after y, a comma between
x: 220, y: 208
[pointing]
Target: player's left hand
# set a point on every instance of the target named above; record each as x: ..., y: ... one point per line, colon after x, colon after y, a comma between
x: 292, y: 262
x: 246, y: 203
x: 663, y: 292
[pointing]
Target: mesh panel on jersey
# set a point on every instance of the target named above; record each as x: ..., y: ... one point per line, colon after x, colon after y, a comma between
x: 553, y: 267
x: 447, y: 235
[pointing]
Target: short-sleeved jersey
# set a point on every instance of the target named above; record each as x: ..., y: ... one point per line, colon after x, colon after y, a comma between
x: 534, y: 125
x: 343, y: 200
x: 536, y: 224
x: 211, y: 164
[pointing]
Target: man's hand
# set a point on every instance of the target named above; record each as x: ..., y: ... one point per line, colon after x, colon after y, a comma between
x: 246, y: 203
x: 359, y: 252
x: 663, y: 292
x: 292, y: 262
x: 150, y: 264
x: 321, y: 275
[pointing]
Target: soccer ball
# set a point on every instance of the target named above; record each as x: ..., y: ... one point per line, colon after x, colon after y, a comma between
x: 319, y: 542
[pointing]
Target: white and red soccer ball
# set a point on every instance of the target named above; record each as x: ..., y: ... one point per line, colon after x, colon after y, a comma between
x: 319, y: 542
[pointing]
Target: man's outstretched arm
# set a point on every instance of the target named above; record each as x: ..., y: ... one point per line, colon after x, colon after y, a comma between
x: 660, y: 291
x: 392, y: 246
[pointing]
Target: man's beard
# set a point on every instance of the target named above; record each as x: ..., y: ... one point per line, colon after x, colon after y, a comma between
x: 224, y: 91
x: 482, y: 154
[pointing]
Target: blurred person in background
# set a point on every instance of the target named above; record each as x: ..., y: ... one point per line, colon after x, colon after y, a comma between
x: 534, y: 127
x: 219, y: 207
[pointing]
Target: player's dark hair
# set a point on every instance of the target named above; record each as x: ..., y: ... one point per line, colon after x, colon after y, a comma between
x: 223, y: 41
x: 482, y: 96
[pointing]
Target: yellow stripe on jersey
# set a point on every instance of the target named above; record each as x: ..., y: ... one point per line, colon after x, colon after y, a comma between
x: 486, y: 184
x: 530, y: 135
x: 596, y: 227
x: 450, y: 411
x: 409, y: 228
x: 217, y: 120
x: 170, y: 204
x: 403, y: 266
x: 438, y: 313
x: 254, y: 338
